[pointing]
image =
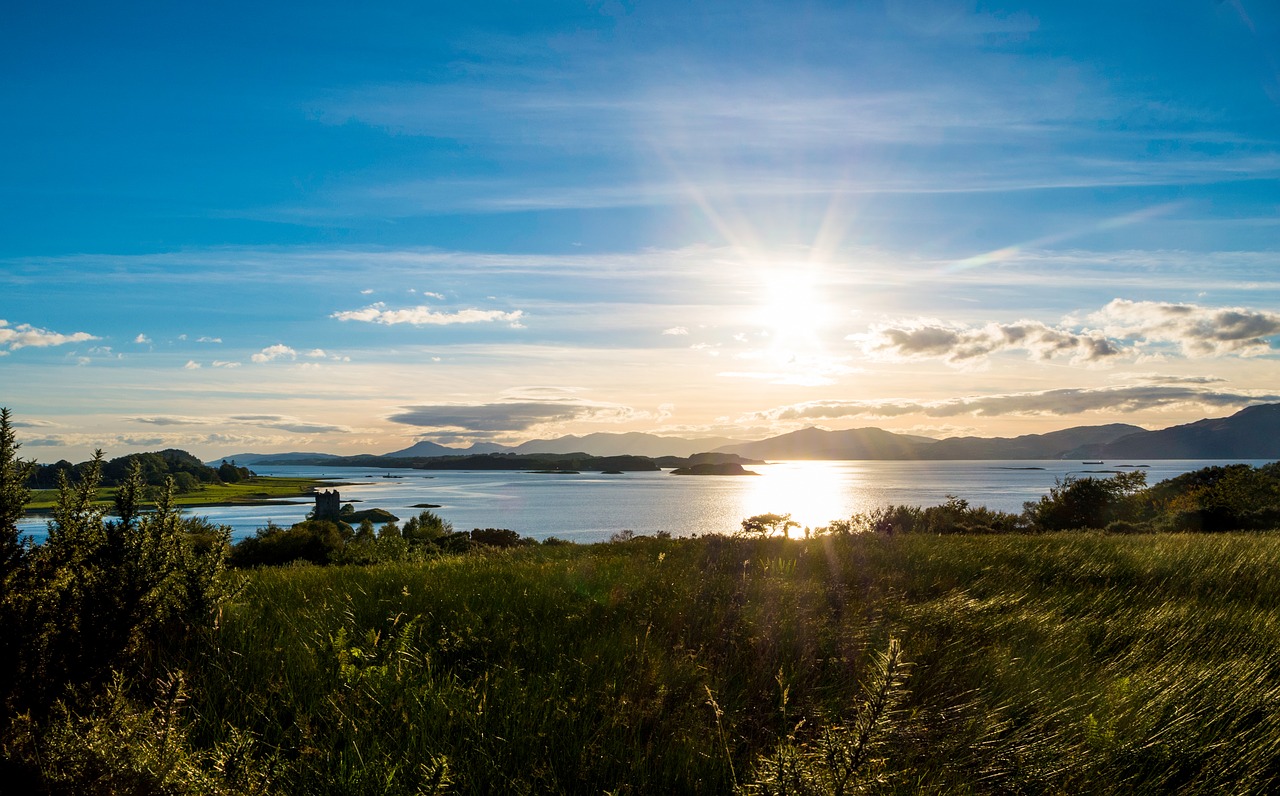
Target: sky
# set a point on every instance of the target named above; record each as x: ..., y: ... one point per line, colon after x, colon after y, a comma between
x: 233, y: 227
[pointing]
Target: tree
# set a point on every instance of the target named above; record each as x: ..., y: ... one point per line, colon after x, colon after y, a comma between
x: 14, y: 494
x: 769, y: 525
x: 1086, y: 502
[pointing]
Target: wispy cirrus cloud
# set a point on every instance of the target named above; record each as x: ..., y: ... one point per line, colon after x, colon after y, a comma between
x: 24, y: 335
x: 288, y: 423
x: 425, y: 316
x: 291, y: 424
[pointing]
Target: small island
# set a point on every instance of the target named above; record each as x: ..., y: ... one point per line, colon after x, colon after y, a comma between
x: 714, y: 468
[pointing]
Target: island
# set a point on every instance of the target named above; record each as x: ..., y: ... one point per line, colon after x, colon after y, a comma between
x: 714, y: 468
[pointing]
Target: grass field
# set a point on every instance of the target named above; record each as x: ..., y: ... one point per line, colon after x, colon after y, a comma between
x: 1066, y: 663
x: 254, y: 490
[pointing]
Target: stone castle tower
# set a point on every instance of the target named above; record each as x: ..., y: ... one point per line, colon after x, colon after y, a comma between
x: 328, y: 505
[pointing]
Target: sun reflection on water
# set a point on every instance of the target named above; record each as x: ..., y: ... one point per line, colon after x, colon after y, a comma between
x: 813, y: 493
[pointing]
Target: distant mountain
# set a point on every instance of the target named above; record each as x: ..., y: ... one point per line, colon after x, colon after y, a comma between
x: 599, y: 444
x: 247, y: 459
x: 425, y: 448
x: 1054, y: 445
x: 1251, y: 433
x: 631, y: 443
x: 817, y: 443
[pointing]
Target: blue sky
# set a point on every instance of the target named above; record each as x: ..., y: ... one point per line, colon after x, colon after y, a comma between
x: 321, y: 227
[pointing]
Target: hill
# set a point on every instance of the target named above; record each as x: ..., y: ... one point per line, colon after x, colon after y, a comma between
x: 632, y: 443
x: 1251, y: 433
x: 817, y: 443
x: 1054, y: 445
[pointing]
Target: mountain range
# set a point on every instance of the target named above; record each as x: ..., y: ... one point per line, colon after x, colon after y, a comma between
x: 1252, y: 433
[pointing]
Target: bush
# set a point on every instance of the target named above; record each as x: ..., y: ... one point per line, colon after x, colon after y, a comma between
x: 311, y: 540
x: 499, y: 537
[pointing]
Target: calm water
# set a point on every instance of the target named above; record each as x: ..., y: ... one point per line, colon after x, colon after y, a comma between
x: 591, y: 507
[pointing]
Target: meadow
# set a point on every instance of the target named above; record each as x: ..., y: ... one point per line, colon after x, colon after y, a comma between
x: 1063, y: 663
x: 946, y: 649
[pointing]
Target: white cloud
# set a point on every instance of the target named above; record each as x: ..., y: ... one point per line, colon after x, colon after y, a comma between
x: 274, y: 352
x: 208, y: 339
x: 142, y: 339
x: 24, y: 335
x: 957, y: 344
x: 1196, y: 330
x: 425, y: 316
x: 676, y: 330
x: 1121, y: 328
x: 192, y: 365
x: 222, y: 363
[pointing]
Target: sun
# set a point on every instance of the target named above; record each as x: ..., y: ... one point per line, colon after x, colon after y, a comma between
x: 793, y: 310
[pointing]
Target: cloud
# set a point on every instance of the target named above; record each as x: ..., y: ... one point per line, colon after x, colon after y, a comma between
x: 191, y: 365
x: 676, y: 330
x: 280, y: 422
x: 320, y: 353
x: 24, y: 335
x: 222, y: 363
x: 425, y: 316
x: 960, y: 345
x: 482, y: 420
x: 274, y: 352
x: 1196, y: 330
x: 208, y: 339
x: 171, y: 420
x: 291, y: 424
x: 142, y: 339
x: 1068, y: 401
x: 1121, y: 328
x: 32, y: 424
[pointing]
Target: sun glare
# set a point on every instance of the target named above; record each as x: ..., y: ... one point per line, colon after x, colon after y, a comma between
x: 811, y: 492
x: 794, y: 311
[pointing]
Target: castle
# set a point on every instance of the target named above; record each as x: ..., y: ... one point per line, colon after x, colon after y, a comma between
x: 328, y: 505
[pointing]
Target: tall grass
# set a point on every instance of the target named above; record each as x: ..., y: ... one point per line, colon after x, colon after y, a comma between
x: 1060, y: 663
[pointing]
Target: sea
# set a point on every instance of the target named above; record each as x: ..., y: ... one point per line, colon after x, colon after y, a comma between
x: 590, y: 507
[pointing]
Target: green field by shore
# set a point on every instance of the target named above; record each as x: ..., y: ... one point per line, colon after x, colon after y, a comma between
x: 253, y: 491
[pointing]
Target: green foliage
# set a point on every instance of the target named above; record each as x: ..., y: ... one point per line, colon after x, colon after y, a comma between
x: 117, y: 745
x: 313, y: 541
x: 841, y: 759
x: 954, y: 516
x: 101, y: 608
x: 768, y: 525
x: 1090, y: 502
x: 229, y: 473
x: 187, y: 472
x: 14, y: 474
x: 426, y: 527
x: 499, y: 537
